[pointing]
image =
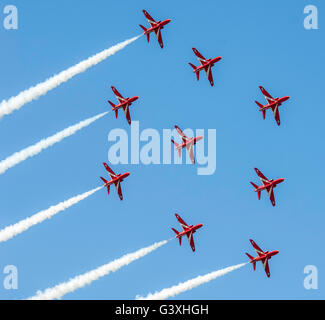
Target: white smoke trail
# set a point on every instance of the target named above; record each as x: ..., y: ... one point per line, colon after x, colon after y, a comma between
x: 33, y: 93
x: 35, y: 149
x: 189, y: 285
x: 22, y: 226
x: 80, y: 281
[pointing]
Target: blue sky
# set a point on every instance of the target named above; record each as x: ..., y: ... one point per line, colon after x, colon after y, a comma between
x: 262, y: 43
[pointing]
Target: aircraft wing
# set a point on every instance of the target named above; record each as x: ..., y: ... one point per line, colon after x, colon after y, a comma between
x: 127, y: 114
x: 159, y: 37
x: 271, y: 195
x: 262, y: 176
x: 118, y: 95
x: 266, y: 267
x: 109, y: 170
x: 276, y: 114
x: 150, y: 19
x: 180, y: 132
x: 119, y: 190
x: 191, y: 241
x: 258, y: 250
x: 267, y: 96
x: 201, y: 59
x: 209, y: 75
x: 183, y: 224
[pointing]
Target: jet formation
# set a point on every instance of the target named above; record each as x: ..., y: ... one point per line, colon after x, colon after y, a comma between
x: 188, y: 143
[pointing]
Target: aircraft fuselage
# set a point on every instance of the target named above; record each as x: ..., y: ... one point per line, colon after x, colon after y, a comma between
x: 126, y: 103
x: 119, y: 178
x: 266, y: 255
x: 273, y: 183
x: 277, y: 102
x: 158, y: 25
x: 190, y: 229
x: 209, y: 63
x: 190, y: 141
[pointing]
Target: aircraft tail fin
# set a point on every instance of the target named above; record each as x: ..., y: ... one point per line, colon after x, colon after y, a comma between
x: 105, y: 181
x: 252, y: 258
x: 254, y: 185
x: 111, y: 103
x: 259, y: 104
x: 261, y: 108
x: 145, y: 30
x: 177, y: 148
x: 192, y: 65
x: 113, y: 108
x: 197, y: 73
x: 179, y: 238
x: 258, y: 192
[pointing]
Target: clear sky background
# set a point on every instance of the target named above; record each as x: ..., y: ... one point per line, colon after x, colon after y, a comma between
x: 262, y: 43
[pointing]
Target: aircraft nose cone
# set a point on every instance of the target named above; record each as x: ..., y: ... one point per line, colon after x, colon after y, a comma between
x: 284, y: 99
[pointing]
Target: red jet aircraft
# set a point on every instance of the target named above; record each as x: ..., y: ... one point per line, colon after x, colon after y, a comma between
x: 124, y: 103
x: 187, y: 231
x: 116, y: 179
x: 188, y: 143
x: 272, y: 103
x: 155, y: 26
x: 268, y: 185
x: 206, y: 65
x: 263, y: 256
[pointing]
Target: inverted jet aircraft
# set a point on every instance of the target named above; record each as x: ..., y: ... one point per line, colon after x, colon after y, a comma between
x: 206, y: 65
x: 263, y: 256
x: 155, y: 26
x: 272, y: 103
x: 187, y: 143
x: 187, y: 231
x: 124, y: 103
x: 116, y: 179
x: 267, y: 185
